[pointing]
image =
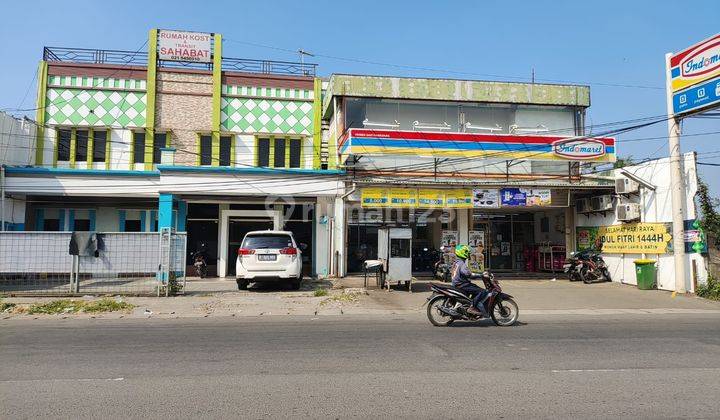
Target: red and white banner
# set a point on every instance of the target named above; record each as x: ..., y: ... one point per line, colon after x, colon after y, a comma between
x: 184, y: 46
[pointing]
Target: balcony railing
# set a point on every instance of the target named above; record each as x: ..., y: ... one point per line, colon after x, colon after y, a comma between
x: 139, y: 58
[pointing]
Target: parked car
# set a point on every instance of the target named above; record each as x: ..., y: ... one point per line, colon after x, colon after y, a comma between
x: 269, y: 256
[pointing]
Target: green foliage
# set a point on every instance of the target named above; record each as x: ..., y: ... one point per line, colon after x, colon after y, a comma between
x: 6, y: 306
x: 71, y: 306
x: 622, y: 162
x: 320, y: 292
x: 710, y: 290
x: 710, y: 219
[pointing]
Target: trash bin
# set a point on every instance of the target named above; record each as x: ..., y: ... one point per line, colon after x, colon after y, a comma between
x: 646, y: 274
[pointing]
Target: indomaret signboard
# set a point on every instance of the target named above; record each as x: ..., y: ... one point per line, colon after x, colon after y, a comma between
x: 184, y: 46
x: 695, y: 77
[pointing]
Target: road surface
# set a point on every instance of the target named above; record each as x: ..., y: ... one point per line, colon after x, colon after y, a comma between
x: 657, y: 366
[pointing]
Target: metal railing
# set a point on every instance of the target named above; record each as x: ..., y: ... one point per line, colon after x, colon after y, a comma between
x: 139, y: 263
x: 139, y: 58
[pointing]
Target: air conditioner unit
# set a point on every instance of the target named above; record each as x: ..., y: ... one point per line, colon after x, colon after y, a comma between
x: 582, y: 205
x: 625, y: 185
x: 627, y: 211
x: 601, y: 203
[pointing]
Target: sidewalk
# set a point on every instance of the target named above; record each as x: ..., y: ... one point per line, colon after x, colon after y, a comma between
x: 219, y: 297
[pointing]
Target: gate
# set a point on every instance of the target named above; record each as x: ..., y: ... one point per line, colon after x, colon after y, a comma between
x: 138, y: 263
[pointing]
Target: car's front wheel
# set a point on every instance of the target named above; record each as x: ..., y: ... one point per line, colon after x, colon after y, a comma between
x: 242, y: 284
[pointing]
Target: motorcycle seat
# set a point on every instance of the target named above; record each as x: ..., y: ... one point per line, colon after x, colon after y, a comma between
x: 450, y: 287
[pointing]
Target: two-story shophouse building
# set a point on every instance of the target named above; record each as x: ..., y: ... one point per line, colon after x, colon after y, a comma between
x: 496, y: 165
x: 179, y: 135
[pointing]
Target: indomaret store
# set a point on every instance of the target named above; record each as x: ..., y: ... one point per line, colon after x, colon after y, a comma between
x: 463, y: 162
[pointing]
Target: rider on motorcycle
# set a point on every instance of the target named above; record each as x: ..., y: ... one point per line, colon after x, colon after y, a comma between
x: 461, y: 276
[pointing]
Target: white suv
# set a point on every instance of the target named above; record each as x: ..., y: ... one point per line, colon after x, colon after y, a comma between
x: 268, y: 255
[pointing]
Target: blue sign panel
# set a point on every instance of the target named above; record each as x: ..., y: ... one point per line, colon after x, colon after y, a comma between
x: 696, y: 97
x: 513, y: 197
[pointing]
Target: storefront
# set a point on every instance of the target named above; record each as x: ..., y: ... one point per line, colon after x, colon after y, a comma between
x: 508, y: 229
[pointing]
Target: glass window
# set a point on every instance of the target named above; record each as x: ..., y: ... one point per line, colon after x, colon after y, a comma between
x: 295, y: 147
x: 273, y: 241
x: 82, y: 225
x: 225, y: 148
x: 132, y: 226
x: 139, y: 147
x: 399, y: 248
x: 263, y: 152
x: 205, y: 150
x: 63, y: 142
x: 99, y: 145
x: 51, y: 225
x: 159, y: 142
x: 279, y: 154
x: 81, y: 145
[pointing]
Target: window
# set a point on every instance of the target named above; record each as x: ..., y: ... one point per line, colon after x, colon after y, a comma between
x: 81, y: 145
x: 159, y: 142
x: 139, y: 147
x: 63, y: 140
x: 295, y: 148
x: 264, y: 241
x: 132, y: 226
x: 205, y: 150
x: 81, y: 225
x: 279, y: 154
x: 51, y: 225
x: 99, y: 145
x: 263, y: 152
x: 225, y: 150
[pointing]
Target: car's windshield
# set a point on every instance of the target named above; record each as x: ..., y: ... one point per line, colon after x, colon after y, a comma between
x: 267, y: 241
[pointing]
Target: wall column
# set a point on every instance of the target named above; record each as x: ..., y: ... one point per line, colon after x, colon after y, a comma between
x: 216, y: 99
x: 463, y: 225
x: 165, y: 211
x: 569, y: 231
x: 150, y: 108
x: 182, y: 207
x: 40, y: 115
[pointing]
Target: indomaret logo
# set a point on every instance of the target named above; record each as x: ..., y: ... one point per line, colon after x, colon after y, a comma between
x: 579, y: 149
x: 704, y: 60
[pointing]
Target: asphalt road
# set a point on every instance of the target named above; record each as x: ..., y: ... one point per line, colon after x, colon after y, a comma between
x: 647, y: 366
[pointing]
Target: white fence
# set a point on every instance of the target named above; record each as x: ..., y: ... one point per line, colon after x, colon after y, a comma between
x: 125, y: 263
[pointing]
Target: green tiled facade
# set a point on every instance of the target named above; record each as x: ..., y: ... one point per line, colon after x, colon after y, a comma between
x: 248, y: 109
x: 95, y: 101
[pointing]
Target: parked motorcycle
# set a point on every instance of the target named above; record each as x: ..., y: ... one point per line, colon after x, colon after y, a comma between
x: 199, y: 258
x: 441, y: 269
x: 588, y: 266
x: 448, y: 303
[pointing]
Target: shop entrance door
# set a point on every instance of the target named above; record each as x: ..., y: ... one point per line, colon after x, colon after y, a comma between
x: 238, y: 228
x: 500, y: 245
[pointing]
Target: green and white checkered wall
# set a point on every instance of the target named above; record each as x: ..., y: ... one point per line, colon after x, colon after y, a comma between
x: 249, y: 109
x: 95, y: 101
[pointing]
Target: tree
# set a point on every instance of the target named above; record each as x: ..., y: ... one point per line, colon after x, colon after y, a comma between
x: 623, y: 162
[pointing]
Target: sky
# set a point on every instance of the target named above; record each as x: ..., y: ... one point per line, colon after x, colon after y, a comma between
x: 616, y: 47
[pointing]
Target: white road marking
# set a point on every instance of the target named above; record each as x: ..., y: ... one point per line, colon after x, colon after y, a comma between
x: 630, y: 369
x: 10, y: 381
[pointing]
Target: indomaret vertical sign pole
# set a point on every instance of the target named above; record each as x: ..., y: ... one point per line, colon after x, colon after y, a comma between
x: 677, y: 184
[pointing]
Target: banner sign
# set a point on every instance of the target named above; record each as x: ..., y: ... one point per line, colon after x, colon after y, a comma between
x: 360, y: 141
x: 536, y: 197
x: 694, y: 236
x: 184, y: 46
x: 697, y: 97
x: 512, y: 197
x: 485, y: 198
x: 416, y: 197
x: 632, y: 238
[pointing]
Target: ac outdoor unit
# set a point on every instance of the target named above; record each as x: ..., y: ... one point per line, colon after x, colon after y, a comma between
x: 627, y: 211
x: 601, y: 203
x: 582, y: 205
x: 625, y: 185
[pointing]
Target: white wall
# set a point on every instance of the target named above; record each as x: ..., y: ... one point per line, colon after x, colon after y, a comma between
x: 324, y: 211
x: 17, y: 141
x: 656, y: 207
x: 120, y: 149
x: 245, y: 151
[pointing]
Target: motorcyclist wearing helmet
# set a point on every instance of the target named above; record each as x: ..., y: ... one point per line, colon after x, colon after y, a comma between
x: 461, y: 276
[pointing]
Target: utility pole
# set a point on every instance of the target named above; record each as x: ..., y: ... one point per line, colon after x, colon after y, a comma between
x: 677, y: 184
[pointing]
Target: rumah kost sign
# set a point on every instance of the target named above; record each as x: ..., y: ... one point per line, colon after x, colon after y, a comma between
x: 184, y: 46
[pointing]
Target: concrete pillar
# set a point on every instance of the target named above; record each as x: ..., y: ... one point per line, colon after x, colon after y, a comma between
x: 463, y: 225
x: 165, y: 211
x: 182, y: 207
x: 569, y: 230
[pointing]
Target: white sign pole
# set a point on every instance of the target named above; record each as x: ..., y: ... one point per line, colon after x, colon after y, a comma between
x: 677, y: 183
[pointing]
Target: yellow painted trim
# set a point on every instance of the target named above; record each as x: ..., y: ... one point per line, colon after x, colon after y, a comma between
x: 233, y: 140
x: 216, y: 98
x: 90, y: 148
x: 40, y: 116
x: 108, y: 149
x: 73, y: 146
x: 317, y: 123
x: 131, y: 159
x: 287, y: 152
x: 271, y: 153
x: 150, y: 98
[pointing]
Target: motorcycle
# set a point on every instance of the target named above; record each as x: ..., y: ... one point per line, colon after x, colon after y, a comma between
x: 448, y: 303
x: 588, y: 266
x: 441, y: 269
x: 200, y: 262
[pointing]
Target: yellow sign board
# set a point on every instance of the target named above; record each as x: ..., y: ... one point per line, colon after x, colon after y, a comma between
x: 416, y: 197
x: 635, y: 238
